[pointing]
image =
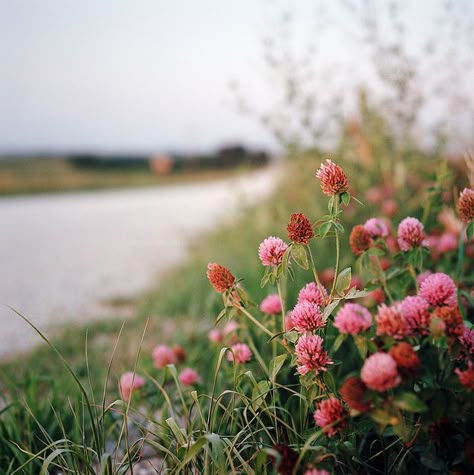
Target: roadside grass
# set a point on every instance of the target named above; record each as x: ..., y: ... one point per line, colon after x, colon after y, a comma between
x: 180, y: 309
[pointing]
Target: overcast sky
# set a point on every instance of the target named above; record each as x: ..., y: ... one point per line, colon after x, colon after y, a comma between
x: 138, y: 75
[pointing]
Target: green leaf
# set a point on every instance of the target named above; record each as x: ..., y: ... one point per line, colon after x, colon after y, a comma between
x: 409, y: 402
x: 328, y: 310
x: 384, y: 417
x: 259, y: 393
x: 275, y: 365
x: 338, y: 342
x: 298, y: 252
x: 286, y: 259
x: 345, y: 198
x: 221, y: 315
x: 362, y: 345
x: 265, y: 278
x: 343, y: 281
x: 329, y: 381
x: 339, y: 227
x: 355, y: 294
x: 324, y: 229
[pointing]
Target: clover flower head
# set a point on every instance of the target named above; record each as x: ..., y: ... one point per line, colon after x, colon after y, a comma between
x: 353, y: 318
x: 410, y: 233
x: 330, y: 416
x: 380, y: 372
x: 332, y: 178
x: 439, y: 290
x: 271, y: 251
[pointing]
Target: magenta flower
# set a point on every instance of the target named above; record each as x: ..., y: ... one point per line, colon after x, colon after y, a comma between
x: 289, y: 322
x: 215, y: 335
x: 230, y: 327
x: 376, y: 228
x: 467, y: 340
x: 128, y: 382
x: 414, y: 310
x: 330, y: 415
x: 447, y: 242
x: 188, y: 377
x: 466, y: 377
x: 271, y: 304
x: 353, y: 318
x: 421, y: 277
x: 390, y: 321
x: 380, y: 372
x: 240, y: 352
x: 315, y: 471
x: 439, y: 290
x: 307, y: 316
x: 310, y: 292
x: 271, y: 251
x: 311, y: 355
x: 466, y: 205
x: 163, y: 355
x: 410, y: 234
x: 333, y: 179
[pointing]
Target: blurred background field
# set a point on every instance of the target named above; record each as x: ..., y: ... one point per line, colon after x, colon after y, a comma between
x: 382, y: 88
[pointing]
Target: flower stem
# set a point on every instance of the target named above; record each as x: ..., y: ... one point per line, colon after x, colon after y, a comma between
x: 336, y: 209
x: 255, y: 321
x: 280, y: 295
x: 315, y: 274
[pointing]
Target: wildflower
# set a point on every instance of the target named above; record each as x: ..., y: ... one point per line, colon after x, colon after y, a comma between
x: 333, y: 179
x: 299, y: 228
x: 311, y: 355
x: 452, y: 319
x: 410, y: 234
x: 414, y: 309
x: 315, y: 471
x: 380, y: 372
x: 330, y: 415
x: 128, y: 382
x: 271, y: 251
x: 163, y: 355
x: 466, y: 377
x: 220, y: 277
x: 439, y: 290
x: 375, y: 296
x: 421, y: 277
x: 179, y: 352
x: 466, y: 205
x: 271, y: 304
x: 215, y: 335
x: 188, y: 377
x: 447, y: 242
x: 406, y: 358
x: 289, y: 325
x: 389, y: 207
x: 352, y: 319
x: 230, y: 327
x: 359, y: 239
x: 376, y: 228
x: 307, y: 316
x: 310, y: 293
x: 353, y: 392
x: 467, y: 342
x: 390, y: 321
x: 240, y: 352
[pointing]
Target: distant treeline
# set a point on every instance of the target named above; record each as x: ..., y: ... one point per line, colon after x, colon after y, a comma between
x: 227, y: 157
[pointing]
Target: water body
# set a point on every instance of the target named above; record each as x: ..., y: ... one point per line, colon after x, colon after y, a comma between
x: 62, y: 254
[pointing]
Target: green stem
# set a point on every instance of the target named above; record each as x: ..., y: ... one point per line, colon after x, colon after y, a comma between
x: 336, y: 209
x: 315, y: 274
x: 255, y: 321
x: 280, y: 295
x: 411, y: 269
x: 383, y: 280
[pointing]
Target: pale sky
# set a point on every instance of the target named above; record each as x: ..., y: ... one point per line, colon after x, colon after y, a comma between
x: 138, y: 75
